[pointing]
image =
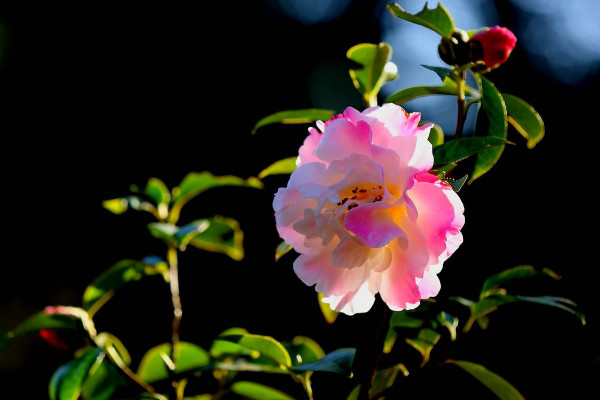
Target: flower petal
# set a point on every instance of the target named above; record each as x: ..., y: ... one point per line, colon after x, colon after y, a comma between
x: 374, y: 223
x: 358, y: 301
x: 342, y: 138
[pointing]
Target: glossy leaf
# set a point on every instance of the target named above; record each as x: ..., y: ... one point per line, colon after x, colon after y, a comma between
x: 436, y: 135
x: 224, y: 348
x: 448, y: 88
x: 424, y: 343
x: 338, y: 361
x: 441, y: 72
x: 494, y: 382
x: 523, y: 117
x: 285, y: 166
x: 385, y: 378
x: 518, y: 272
x: 266, y: 346
x: 303, y: 349
x: 437, y: 19
x: 102, y: 382
x: 329, y: 314
x: 195, y: 183
x: 282, y: 249
x: 157, y: 362
x: 495, y: 126
x: 116, y: 276
x: 257, y: 391
x: 557, y: 302
x: 68, y: 380
x: 375, y: 69
x: 459, y: 149
x: 294, y: 117
x: 223, y: 235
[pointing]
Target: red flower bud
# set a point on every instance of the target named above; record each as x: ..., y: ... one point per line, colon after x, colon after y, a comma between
x: 496, y: 45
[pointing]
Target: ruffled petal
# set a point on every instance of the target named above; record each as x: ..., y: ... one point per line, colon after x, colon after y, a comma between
x: 341, y: 138
x: 358, y: 301
x: 374, y: 223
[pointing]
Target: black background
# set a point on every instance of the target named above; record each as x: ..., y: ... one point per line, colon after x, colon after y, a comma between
x: 94, y: 98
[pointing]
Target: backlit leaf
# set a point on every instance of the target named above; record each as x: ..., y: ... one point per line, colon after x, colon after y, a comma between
x: 294, y: 117
x: 285, y: 166
x: 338, y: 361
x: 257, y: 391
x: 437, y: 19
x: 523, y: 117
x: 375, y: 68
x: 494, y: 382
x: 68, y: 380
x: 222, y: 235
x: 155, y: 364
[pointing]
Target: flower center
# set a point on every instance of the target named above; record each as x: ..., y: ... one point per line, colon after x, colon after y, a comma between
x: 353, y: 197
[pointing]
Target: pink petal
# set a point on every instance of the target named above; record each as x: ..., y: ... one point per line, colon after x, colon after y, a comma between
x: 430, y: 285
x: 306, y: 154
x: 341, y: 138
x: 374, y: 223
x: 358, y: 301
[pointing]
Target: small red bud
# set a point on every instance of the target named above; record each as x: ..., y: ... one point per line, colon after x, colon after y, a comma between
x: 496, y: 45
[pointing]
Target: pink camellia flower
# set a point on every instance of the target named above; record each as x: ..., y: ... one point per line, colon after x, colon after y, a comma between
x: 365, y: 214
x: 496, y: 45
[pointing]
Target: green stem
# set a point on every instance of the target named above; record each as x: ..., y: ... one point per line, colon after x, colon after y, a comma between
x: 176, y: 299
x: 460, y: 102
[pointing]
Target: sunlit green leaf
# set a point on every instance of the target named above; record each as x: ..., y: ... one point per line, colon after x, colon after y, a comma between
x: 524, y: 119
x: 518, y: 272
x: 437, y: 19
x: 329, y: 314
x: 436, y: 135
x: 122, y: 204
x: 441, y: 72
x: 282, y: 249
x: 354, y: 393
x: 459, y: 149
x: 441, y: 170
x: 110, y: 341
x: 257, y: 391
x: 157, y: 191
x: 424, y: 343
x: 448, y: 88
x: 195, y: 183
x: 157, y: 362
x: 385, y: 378
x: 375, y: 68
x: 163, y: 231
x: 186, y: 233
x: 494, y: 382
x: 390, y: 340
x: 338, y: 361
x: 285, y: 166
x: 450, y: 322
x: 223, y: 235
x: 294, y: 117
x: 266, y: 346
x: 102, y: 382
x: 223, y: 348
x: 68, y: 380
x: 491, y: 123
x: 303, y: 349
x: 116, y: 276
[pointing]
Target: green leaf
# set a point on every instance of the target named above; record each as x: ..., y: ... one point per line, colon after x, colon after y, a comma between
x: 329, y: 314
x: 524, y: 119
x: 338, y: 361
x: 457, y: 184
x: 518, y: 272
x: 223, y: 235
x: 403, y: 319
x: 224, y: 348
x: 375, y: 68
x: 495, y: 126
x: 122, y: 204
x: 450, y: 322
x: 163, y: 231
x: 442, y: 72
x: 116, y: 276
x: 257, y: 391
x: 458, y: 149
x: 437, y: 19
x: 68, y: 380
x: 195, y: 183
x: 36, y: 322
x: 110, y: 342
x: 557, y: 302
x: 294, y: 117
x: 157, y: 362
x: 424, y: 343
x: 390, y: 340
x: 303, y: 349
x: 266, y: 346
x: 436, y: 135
x: 448, y: 88
x: 354, y: 393
x: 158, y: 191
x: 494, y: 382
x: 282, y: 249
x: 102, y: 382
x: 385, y: 378
x: 285, y: 166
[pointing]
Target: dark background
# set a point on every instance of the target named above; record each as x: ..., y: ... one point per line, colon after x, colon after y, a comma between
x: 94, y: 98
